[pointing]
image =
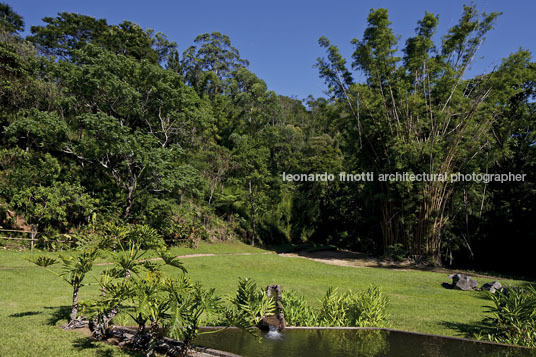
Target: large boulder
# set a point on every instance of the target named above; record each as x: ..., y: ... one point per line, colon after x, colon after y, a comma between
x: 463, y: 282
x: 492, y: 287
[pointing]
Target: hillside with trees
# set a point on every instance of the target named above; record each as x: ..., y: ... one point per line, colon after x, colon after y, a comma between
x: 112, y: 123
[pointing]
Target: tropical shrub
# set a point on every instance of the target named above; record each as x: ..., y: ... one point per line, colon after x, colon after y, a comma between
x: 297, y: 311
x: 513, y: 319
x: 190, y: 306
x: 366, y: 308
x: 74, y: 270
x: 359, y: 309
x: 250, y: 303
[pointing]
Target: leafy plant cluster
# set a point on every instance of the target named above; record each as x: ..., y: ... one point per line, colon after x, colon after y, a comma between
x: 366, y: 308
x: 513, y: 317
x: 135, y: 285
x: 250, y: 303
x: 359, y: 309
x: 297, y: 310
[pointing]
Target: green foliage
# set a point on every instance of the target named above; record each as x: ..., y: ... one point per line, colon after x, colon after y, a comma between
x: 190, y: 306
x: 370, y: 308
x: 37, y: 129
x: 174, y: 306
x: 68, y: 32
x: 150, y: 301
x: 209, y: 63
x: 363, y: 309
x: 402, y: 121
x: 59, y: 205
x: 513, y: 317
x: 130, y: 244
x: 76, y: 267
x: 171, y: 260
x: 74, y: 271
x: 250, y: 303
x: 333, y: 308
x: 296, y: 310
x: 396, y: 252
x: 367, y: 308
x: 43, y: 261
x: 109, y: 121
x: 10, y: 21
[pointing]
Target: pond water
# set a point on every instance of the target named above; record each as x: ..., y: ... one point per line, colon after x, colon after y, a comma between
x: 350, y: 342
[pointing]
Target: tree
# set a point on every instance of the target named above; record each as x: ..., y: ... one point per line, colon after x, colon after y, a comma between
x: 251, y: 178
x: 10, y: 21
x: 254, y: 106
x: 418, y: 115
x: 68, y: 32
x: 134, y: 122
x: 210, y: 62
x: 506, y: 209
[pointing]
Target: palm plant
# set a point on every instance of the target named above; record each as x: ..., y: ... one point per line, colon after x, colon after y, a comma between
x: 190, y: 303
x: 131, y: 245
x: 74, y: 271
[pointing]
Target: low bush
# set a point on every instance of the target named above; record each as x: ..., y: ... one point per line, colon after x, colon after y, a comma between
x: 513, y: 319
x: 359, y: 309
x: 250, y: 303
x: 297, y: 311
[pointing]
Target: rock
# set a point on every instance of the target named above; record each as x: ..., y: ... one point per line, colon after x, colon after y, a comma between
x: 274, y: 322
x: 128, y: 336
x: 271, y: 323
x: 463, y: 282
x: 492, y: 287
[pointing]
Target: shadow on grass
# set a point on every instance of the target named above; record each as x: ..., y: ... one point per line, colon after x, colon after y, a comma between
x: 447, y: 286
x: 468, y: 330
x: 299, y: 247
x: 58, y: 313
x: 87, y: 343
x: 331, y: 253
x: 26, y: 313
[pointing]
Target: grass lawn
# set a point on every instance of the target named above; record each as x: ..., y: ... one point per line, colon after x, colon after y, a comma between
x: 33, y: 301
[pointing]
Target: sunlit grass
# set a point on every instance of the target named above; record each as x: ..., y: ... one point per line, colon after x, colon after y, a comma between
x: 31, y: 298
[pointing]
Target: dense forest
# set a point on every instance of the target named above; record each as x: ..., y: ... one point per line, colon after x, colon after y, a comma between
x: 112, y: 123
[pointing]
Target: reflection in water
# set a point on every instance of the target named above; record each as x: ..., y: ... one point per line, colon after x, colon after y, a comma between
x: 346, y: 342
x: 341, y: 343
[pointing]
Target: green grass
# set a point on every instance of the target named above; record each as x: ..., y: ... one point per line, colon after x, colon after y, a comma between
x: 33, y: 301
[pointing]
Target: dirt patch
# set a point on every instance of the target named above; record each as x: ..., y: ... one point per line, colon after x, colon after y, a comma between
x: 361, y: 260
x: 347, y: 259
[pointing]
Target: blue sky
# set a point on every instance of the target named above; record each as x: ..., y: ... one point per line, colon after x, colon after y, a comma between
x: 279, y: 38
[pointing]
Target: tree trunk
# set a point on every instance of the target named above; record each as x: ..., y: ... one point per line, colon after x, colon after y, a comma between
x: 130, y: 200
x: 431, y: 221
x: 74, y: 307
x: 387, y: 226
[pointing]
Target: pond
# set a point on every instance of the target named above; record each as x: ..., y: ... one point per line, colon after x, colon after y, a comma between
x: 351, y: 342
